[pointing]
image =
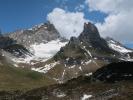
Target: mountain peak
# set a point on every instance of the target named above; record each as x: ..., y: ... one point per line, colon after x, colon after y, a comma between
x: 41, y: 33
x: 91, y: 37
x: 90, y: 33
x: 89, y: 27
x: 90, y: 30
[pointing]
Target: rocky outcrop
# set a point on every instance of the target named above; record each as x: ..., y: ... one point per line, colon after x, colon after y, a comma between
x: 38, y: 34
x: 6, y: 41
x: 9, y: 45
x: 88, y: 45
x: 115, y: 72
x: 91, y: 37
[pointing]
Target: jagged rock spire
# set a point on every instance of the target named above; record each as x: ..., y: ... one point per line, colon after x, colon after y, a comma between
x: 90, y: 32
x: 91, y: 37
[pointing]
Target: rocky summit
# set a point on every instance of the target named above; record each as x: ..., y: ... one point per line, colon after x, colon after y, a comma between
x: 38, y: 34
x: 91, y: 37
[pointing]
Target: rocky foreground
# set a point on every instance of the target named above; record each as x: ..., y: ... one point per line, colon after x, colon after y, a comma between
x: 85, y: 87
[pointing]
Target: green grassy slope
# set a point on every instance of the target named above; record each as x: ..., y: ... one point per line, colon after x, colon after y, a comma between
x: 12, y: 78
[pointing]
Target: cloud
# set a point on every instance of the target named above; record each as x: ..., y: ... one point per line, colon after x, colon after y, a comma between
x: 118, y: 24
x: 80, y: 7
x: 109, y: 6
x: 67, y: 23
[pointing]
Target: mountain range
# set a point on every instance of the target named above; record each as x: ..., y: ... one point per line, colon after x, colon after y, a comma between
x: 44, y: 50
x: 40, y: 56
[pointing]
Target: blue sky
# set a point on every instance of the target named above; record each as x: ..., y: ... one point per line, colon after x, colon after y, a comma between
x: 20, y: 14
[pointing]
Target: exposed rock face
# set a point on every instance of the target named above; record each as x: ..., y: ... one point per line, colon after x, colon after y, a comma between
x: 123, y: 52
x: 115, y: 72
x: 39, y: 34
x: 10, y: 49
x: 10, y: 46
x: 90, y: 33
x: 6, y: 41
x: 17, y: 50
x: 88, y: 45
x: 91, y: 37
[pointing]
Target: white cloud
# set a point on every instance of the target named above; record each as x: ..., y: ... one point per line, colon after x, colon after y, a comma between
x: 67, y: 23
x: 80, y: 7
x: 109, y: 6
x: 118, y: 24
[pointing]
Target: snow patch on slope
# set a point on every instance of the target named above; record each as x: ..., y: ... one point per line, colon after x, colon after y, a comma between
x: 47, y: 50
x: 87, y: 51
x: 61, y: 95
x: 113, y: 45
x: 42, y: 51
x: 86, y: 97
x: 45, y: 68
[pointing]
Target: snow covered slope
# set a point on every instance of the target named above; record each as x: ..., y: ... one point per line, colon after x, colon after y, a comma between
x: 117, y: 46
x: 47, y: 50
x: 42, y: 52
x: 42, y: 40
x: 126, y: 54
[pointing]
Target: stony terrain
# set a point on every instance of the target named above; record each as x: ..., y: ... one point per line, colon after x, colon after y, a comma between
x: 82, y: 88
x: 38, y: 34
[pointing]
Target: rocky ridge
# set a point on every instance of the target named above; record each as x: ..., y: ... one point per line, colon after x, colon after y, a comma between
x: 80, y: 56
